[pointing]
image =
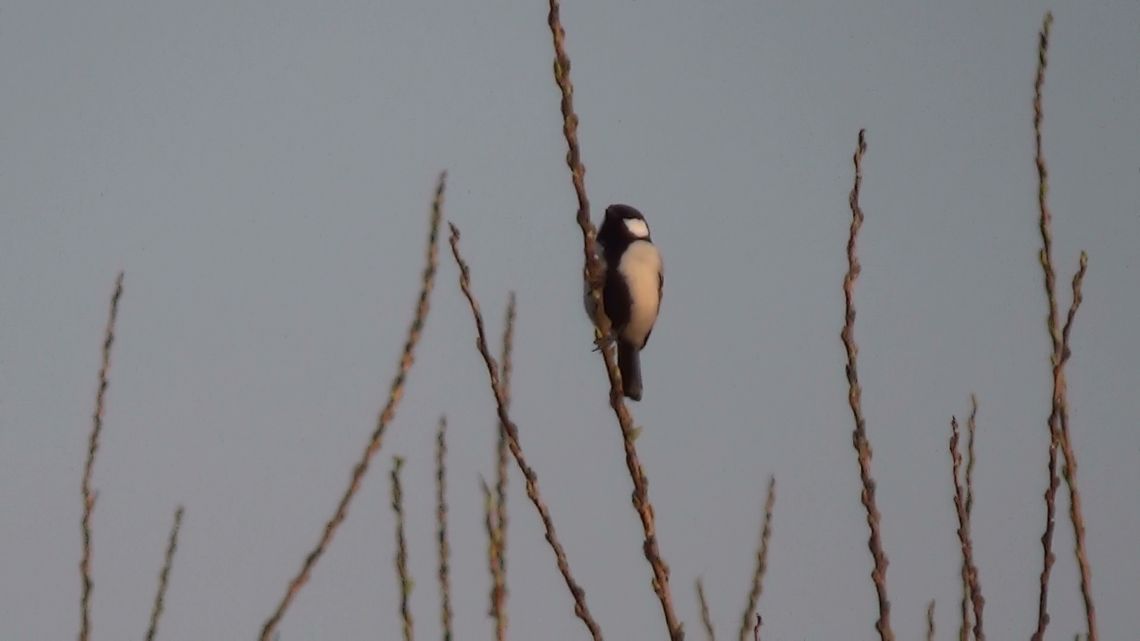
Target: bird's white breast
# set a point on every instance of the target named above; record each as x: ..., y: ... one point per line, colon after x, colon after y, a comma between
x: 641, y: 266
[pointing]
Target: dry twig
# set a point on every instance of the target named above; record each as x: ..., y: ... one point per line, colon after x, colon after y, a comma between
x: 90, y: 495
x: 528, y: 472
x: 1047, y: 265
x: 402, y: 577
x: 971, y: 428
x: 489, y: 522
x: 441, y: 525
x: 499, y: 533
x: 395, y: 393
x: 492, y: 561
x: 1059, y: 435
x: 930, y: 621
x: 593, y: 274
x: 706, y: 618
x: 1070, y: 468
x: 970, y: 583
x: 164, y: 576
x: 854, y: 398
x: 761, y: 560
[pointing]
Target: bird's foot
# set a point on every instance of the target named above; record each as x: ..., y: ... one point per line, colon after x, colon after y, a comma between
x: 596, y: 280
x: 603, y: 342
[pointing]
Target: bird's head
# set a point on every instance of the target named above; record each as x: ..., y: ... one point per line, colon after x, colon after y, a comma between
x: 623, y: 222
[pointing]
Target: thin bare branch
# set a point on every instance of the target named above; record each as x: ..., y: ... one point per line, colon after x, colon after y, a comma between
x: 164, y: 576
x: 1069, y: 471
x: 90, y: 495
x: 570, y: 124
x: 930, y: 621
x: 402, y: 577
x: 971, y: 428
x: 593, y: 272
x: 492, y: 548
x: 499, y: 538
x: 761, y: 560
x: 971, y: 585
x: 395, y: 393
x: 1047, y: 265
x: 1047, y: 541
x: 441, y: 525
x: 706, y: 618
x: 532, y: 491
x: 854, y: 398
x: 1059, y: 436
x: 974, y: 589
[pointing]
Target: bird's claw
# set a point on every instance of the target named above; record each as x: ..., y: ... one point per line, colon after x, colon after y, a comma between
x: 603, y: 342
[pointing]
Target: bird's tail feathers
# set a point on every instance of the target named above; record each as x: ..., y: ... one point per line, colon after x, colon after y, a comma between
x: 629, y: 362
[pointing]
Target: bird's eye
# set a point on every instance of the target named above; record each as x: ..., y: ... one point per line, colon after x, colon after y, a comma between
x: 637, y: 227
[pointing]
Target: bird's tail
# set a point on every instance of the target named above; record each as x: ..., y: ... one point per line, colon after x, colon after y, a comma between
x: 629, y: 362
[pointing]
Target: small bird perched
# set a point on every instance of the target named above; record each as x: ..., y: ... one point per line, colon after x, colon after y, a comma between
x: 631, y: 291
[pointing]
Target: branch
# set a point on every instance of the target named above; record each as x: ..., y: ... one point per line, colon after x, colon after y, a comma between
x: 441, y: 525
x: 395, y: 393
x: 1059, y: 437
x: 402, y: 577
x: 593, y: 273
x: 1046, y: 257
x: 529, y: 474
x: 1070, y: 469
x: 706, y: 618
x: 930, y: 621
x: 854, y: 398
x: 761, y: 561
x: 89, y: 495
x: 492, y: 551
x: 499, y: 534
x: 164, y: 576
x: 971, y: 586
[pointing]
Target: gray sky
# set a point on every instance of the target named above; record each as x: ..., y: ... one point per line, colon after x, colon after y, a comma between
x: 263, y: 172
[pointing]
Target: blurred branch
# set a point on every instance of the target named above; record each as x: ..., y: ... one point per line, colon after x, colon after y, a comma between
x: 971, y: 585
x: 499, y: 534
x: 441, y: 525
x: 90, y: 495
x: 164, y: 576
x: 706, y: 618
x: 930, y: 621
x: 492, y: 544
x: 395, y: 393
x: 401, y: 549
x: 761, y: 561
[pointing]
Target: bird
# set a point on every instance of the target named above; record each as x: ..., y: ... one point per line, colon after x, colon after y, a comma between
x: 633, y: 281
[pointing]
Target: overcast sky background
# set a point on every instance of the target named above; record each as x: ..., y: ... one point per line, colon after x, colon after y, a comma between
x: 262, y: 171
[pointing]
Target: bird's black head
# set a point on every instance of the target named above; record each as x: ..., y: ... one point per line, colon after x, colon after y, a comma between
x: 623, y: 225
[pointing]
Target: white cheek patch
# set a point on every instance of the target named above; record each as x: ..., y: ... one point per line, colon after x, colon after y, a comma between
x: 637, y: 227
